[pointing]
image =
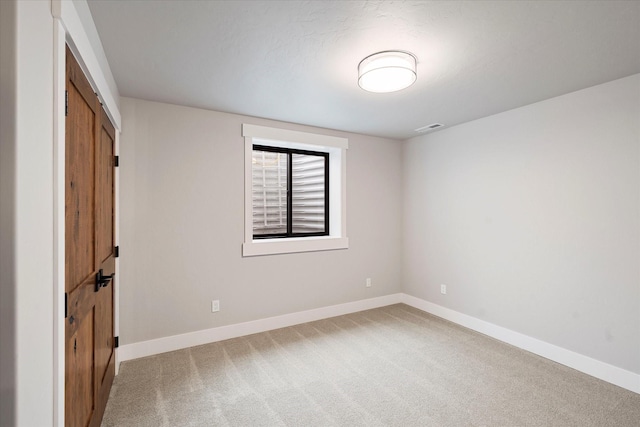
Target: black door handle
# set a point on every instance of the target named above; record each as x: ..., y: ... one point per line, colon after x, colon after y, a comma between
x: 102, y: 280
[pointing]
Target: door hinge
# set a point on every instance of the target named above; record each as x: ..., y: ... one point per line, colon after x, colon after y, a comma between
x: 116, y: 161
x: 116, y: 251
x: 66, y: 304
x: 116, y: 342
x: 66, y: 103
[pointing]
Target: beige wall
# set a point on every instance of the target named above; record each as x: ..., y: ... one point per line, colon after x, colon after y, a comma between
x: 532, y: 219
x: 182, y: 218
x: 576, y: 283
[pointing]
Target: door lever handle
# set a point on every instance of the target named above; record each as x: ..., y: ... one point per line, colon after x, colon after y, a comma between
x: 102, y: 280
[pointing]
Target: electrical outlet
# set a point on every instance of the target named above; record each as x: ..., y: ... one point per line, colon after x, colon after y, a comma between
x: 368, y: 282
x: 215, y: 305
x: 443, y: 289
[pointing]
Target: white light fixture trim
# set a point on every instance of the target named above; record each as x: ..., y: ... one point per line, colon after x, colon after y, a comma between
x: 387, y: 71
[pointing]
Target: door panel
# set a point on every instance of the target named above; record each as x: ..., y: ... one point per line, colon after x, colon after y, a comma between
x: 79, y: 200
x: 104, y: 332
x: 105, y: 244
x: 105, y: 192
x: 80, y: 374
x: 89, y: 256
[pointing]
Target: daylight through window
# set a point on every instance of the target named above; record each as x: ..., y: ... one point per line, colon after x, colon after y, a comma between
x: 294, y: 191
x: 290, y: 192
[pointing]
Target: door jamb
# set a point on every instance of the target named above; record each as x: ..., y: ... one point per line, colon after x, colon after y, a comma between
x: 59, y: 87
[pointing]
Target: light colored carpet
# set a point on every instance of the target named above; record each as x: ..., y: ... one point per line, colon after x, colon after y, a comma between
x: 392, y: 366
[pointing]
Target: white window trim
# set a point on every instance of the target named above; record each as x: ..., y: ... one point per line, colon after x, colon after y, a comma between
x: 337, y: 149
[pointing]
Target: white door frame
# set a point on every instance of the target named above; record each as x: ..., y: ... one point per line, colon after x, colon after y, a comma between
x: 70, y: 29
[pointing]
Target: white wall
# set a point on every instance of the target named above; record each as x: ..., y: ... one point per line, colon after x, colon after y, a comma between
x: 182, y: 218
x: 27, y: 214
x: 532, y: 219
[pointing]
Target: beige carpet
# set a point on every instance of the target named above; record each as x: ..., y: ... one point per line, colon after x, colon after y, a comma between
x: 392, y: 366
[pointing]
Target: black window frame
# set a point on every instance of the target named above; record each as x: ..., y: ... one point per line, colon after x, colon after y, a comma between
x: 290, y: 152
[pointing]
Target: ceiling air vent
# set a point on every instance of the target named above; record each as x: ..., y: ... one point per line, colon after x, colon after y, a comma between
x: 430, y: 127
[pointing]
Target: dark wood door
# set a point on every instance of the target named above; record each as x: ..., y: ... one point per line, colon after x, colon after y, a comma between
x: 89, y: 252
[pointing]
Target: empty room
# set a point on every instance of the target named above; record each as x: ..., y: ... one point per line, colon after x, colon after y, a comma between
x: 319, y: 213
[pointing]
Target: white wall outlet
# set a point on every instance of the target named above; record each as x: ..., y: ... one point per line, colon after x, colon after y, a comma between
x: 215, y: 305
x: 443, y: 289
x: 368, y: 282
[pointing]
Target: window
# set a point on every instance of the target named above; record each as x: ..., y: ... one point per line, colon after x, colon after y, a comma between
x: 290, y: 195
x: 295, y: 191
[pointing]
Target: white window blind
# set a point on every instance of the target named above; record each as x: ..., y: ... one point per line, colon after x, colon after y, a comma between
x: 308, y: 198
x: 272, y: 179
x: 334, y: 234
x: 269, y: 176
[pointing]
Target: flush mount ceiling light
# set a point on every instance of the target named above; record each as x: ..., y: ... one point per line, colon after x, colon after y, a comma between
x: 387, y: 71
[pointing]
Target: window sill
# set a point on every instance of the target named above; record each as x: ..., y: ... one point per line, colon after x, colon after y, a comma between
x: 293, y: 245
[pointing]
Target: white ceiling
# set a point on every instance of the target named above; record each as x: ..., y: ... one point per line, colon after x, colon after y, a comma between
x: 296, y: 61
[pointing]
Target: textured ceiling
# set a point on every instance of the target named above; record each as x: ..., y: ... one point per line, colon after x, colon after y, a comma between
x: 296, y: 61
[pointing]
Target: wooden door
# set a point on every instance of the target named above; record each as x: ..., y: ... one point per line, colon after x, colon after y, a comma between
x: 89, y: 252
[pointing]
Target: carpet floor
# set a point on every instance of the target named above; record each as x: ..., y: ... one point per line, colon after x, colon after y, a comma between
x: 391, y: 366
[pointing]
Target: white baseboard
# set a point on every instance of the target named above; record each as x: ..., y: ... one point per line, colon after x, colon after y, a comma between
x: 585, y: 364
x: 206, y: 336
x: 579, y: 362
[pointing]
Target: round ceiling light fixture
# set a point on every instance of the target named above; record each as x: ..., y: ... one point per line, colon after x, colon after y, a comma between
x: 387, y: 71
